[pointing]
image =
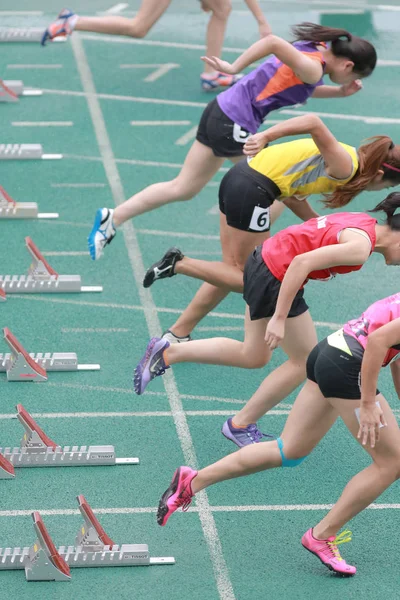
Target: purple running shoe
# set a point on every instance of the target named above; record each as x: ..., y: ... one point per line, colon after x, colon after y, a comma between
x: 243, y: 436
x: 152, y: 364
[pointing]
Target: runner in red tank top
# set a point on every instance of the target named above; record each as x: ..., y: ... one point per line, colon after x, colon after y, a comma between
x: 276, y: 312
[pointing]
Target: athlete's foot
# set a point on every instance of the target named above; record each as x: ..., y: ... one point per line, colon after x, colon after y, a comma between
x: 328, y: 553
x: 102, y: 233
x: 62, y: 27
x: 179, y: 494
x: 165, y: 267
x: 243, y: 436
x: 152, y: 364
x: 212, y: 83
x: 174, y: 339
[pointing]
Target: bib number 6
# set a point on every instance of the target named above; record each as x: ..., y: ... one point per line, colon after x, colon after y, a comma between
x: 260, y: 219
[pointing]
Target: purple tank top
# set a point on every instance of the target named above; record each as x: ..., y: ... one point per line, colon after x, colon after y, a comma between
x: 271, y: 86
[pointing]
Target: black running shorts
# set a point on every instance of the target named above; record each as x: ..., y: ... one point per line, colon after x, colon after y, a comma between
x: 337, y: 373
x: 261, y: 289
x: 245, y: 196
x: 217, y: 131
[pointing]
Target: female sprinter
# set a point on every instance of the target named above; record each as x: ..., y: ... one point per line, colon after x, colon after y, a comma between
x: 342, y: 375
x: 294, y: 74
x: 149, y: 13
x: 276, y: 312
x: 289, y: 172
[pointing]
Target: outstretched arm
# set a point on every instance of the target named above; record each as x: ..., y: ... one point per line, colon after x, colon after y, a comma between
x: 395, y: 369
x: 301, y: 208
x: 306, y: 68
x: 337, y: 91
x: 354, y: 251
x: 338, y: 161
x: 263, y: 25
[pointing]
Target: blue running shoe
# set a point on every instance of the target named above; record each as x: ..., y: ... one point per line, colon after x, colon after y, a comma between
x: 103, y: 232
x: 243, y: 436
x: 60, y: 27
x: 152, y: 364
x: 221, y: 80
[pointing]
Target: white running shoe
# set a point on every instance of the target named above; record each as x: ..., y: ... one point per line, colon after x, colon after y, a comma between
x: 175, y: 339
x: 102, y: 233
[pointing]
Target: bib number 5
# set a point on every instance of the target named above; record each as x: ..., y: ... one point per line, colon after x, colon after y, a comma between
x: 260, y: 219
x: 240, y: 135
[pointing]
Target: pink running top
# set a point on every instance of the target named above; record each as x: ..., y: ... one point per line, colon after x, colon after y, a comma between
x: 378, y: 314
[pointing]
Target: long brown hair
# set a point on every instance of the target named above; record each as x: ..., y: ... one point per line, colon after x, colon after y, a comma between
x: 344, y: 44
x: 377, y: 153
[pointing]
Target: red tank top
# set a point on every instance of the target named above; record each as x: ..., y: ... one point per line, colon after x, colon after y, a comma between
x: 279, y: 250
x: 378, y: 314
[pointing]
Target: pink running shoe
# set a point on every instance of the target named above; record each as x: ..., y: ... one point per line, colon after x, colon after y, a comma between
x: 178, y: 494
x: 328, y: 553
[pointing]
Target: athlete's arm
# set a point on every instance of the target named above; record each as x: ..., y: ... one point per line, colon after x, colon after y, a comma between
x: 353, y: 249
x: 371, y: 415
x: 395, y: 369
x: 307, y: 69
x: 337, y: 91
x: 301, y: 208
x: 263, y: 25
x: 338, y: 161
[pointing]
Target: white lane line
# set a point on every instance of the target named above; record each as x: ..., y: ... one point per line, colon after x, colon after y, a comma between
x: 139, y: 99
x: 95, y: 330
x: 158, y: 123
x: 158, y: 70
x: 187, y: 137
x: 344, y: 117
x: 127, y: 161
x: 172, y: 311
x: 21, y: 13
x: 177, y: 234
x: 221, y: 572
x: 78, y: 185
x: 135, y: 414
x: 117, y: 8
x: 34, y: 66
x: 70, y: 512
x: 214, y: 210
x: 388, y: 63
x: 65, y: 253
x: 42, y: 123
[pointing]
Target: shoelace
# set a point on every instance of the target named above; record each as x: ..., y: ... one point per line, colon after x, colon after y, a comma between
x: 184, y: 500
x: 342, y: 538
x: 256, y: 435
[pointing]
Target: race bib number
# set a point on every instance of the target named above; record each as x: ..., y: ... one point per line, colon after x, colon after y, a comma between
x: 240, y: 135
x: 260, y: 219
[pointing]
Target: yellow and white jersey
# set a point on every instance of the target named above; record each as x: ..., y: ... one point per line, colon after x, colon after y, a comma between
x: 298, y: 168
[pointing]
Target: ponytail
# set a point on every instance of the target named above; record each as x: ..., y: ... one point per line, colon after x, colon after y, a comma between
x: 378, y: 153
x: 389, y: 206
x: 343, y: 45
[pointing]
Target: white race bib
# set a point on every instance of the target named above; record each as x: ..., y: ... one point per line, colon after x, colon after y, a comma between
x: 260, y: 219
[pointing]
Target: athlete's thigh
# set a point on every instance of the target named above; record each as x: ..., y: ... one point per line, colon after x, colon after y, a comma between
x: 226, y: 241
x: 200, y: 166
x: 300, y: 336
x: 150, y: 11
x: 244, y: 242
x: 309, y: 420
x: 254, y: 335
x: 388, y: 446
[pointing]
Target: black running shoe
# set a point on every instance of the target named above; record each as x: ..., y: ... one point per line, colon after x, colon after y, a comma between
x: 165, y: 267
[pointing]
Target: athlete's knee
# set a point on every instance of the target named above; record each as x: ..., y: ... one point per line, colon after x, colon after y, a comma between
x: 222, y: 10
x: 290, y: 458
x: 255, y: 360
x: 182, y: 190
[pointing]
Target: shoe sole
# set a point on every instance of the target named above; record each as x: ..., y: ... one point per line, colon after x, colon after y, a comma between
x: 328, y: 565
x: 170, y: 491
x: 92, y: 235
x: 149, y: 279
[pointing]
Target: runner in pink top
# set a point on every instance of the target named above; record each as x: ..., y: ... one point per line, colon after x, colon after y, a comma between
x: 342, y: 375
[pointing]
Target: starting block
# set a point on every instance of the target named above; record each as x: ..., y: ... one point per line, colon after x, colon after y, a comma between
x: 94, y: 548
x: 24, y: 34
x: 25, y: 152
x: 42, y: 278
x: 38, y: 450
x: 10, y: 209
x: 21, y: 366
x: 2, y: 296
x: 11, y: 90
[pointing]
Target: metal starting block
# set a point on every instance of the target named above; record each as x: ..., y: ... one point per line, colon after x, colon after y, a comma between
x: 2, y: 295
x: 38, y: 450
x: 24, y: 34
x: 21, y: 366
x: 10, y: 209
x: 42, y: 278
x: 25, y: 152
x: 11, y: 90
x: 42, y: 561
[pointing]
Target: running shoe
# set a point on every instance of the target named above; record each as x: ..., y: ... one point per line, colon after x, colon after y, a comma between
x: 152, y: 364
x: 328, y: 553
x: 103, y: 232
x: 165, y: 267
x: 221, y: 80
x: 175, y: 339
x: 60, y: 28
x: 243, y: 436
x: 179, y: 494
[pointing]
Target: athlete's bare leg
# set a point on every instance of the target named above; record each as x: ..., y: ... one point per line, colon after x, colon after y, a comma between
x: 220, y: 10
